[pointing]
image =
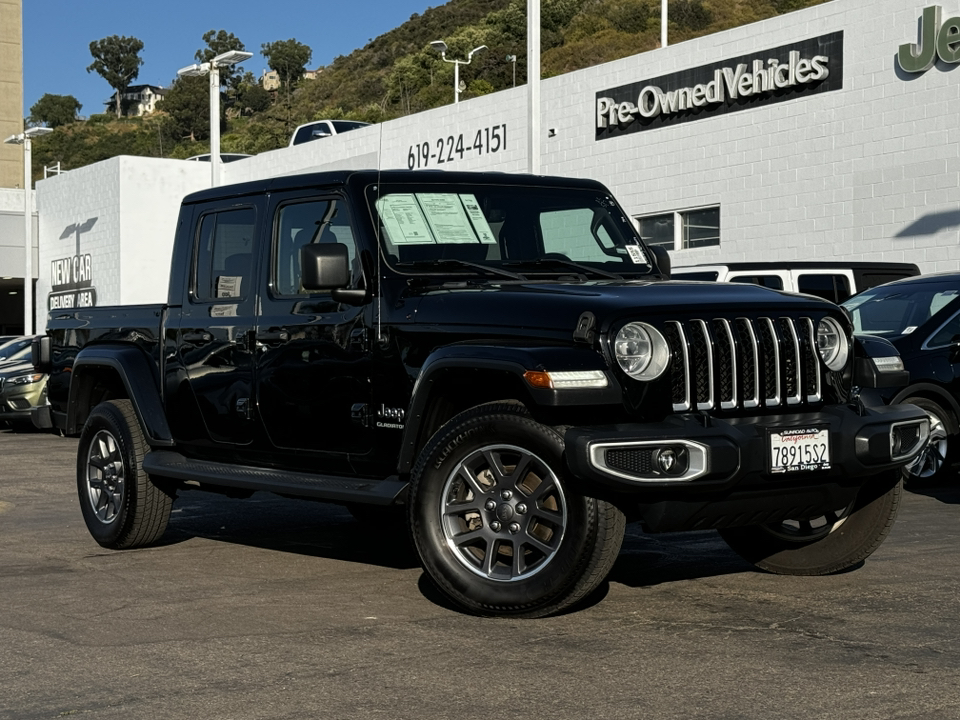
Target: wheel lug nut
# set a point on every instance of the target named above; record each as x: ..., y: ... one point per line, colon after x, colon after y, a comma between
x: 495, y: 526
x: 491, y: 505
x: 514, y: 528
x: 521, y: 508
x: 506, y: 494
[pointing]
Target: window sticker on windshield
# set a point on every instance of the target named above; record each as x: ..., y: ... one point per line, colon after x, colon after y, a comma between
x: 637, y: 256
x: 910, y: 329
x: 447, y: 218
x: 403, y: 220
x: 480, y: 225
x: 228, y: 286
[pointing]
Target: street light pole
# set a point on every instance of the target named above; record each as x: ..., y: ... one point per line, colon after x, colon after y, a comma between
x: 24, y: 139
x: 212, y: 68
x: 533, y: 86
x: 442, y: 47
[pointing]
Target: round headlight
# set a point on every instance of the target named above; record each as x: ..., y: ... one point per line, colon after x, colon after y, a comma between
x: 832, y: 344
x: 641, y: 351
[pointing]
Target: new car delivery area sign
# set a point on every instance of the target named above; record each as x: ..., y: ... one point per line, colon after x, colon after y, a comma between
x: 761, y: 78
x: 71, y: 283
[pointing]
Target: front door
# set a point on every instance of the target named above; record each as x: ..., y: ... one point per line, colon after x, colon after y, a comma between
x: 313, y: 353
x: 215, y: 339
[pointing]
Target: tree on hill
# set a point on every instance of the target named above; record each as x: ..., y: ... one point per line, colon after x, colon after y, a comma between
x: 218, y: 42
x: 117, y: 60
x: 288, y: 58
x: 187, y: 104
x: 54, y: 110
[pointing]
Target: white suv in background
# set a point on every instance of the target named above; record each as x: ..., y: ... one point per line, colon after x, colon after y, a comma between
x: 323, y: 128
x: 833, y: 281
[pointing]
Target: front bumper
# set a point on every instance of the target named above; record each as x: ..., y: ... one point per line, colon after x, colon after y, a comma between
x: 726, y: 476
x: 17, y: 402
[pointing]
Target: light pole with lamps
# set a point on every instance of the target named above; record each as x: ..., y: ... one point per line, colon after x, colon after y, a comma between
x: 24, y: 139
x: 442, y: 47
x: 212, y: 68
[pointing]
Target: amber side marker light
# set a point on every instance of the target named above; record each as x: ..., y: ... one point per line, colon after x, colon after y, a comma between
x: 566, y: 380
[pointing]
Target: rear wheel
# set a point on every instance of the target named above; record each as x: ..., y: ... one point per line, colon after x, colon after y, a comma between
x: 122, y: 506
x: 497, y: 525
x: 831, y: 542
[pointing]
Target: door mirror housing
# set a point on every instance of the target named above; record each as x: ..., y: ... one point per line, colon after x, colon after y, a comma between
x: 662, y: 258
x: 324, y: 266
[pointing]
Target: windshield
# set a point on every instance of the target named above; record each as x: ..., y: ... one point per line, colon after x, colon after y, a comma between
x: 899, y: 309
x: 14, y: 350
x: 518, y: 229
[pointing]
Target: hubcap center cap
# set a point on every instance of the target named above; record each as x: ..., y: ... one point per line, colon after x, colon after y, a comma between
x: 505, y: 513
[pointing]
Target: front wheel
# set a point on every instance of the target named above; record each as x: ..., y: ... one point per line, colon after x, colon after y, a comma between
x: 123, y: 507
x: 832, y: 542
x: 497, y: 525
x: 934, y: 461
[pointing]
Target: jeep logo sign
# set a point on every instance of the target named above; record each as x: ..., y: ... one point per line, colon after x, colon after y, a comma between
x: 765, y: 77
x: 936, y: 40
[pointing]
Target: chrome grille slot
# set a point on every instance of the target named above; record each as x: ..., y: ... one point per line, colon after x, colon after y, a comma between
x: 702, y: 361
x: 679, y: 367
x: 743, y: 363
x: 791, y: 361
x: 811, y: 360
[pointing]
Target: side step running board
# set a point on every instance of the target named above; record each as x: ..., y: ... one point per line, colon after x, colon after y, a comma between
x: 170, y: 464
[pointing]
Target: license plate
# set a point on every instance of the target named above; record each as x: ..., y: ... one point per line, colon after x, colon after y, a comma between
x: 799, y: 450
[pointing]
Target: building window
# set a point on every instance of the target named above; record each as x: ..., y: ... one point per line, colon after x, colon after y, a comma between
x: 682, y: 229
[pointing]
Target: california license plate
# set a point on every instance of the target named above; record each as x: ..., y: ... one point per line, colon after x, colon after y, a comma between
x: 799, y: 450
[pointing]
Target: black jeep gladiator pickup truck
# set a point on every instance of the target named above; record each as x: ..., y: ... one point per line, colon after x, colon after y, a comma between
x: 500, y: 355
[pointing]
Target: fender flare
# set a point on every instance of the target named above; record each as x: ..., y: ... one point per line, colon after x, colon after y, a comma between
x: 139, y: 377
x: 511, y: 360
x: 930, y: 389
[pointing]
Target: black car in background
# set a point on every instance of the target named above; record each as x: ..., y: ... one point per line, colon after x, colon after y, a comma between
x: 921, y: 317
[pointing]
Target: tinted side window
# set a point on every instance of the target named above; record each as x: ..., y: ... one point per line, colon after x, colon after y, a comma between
x: 770, y: 281
x: 224, y: 257
x: 869, y: 280
x: 945, y: 335
x: 302, y: 223
x: 835, y: 288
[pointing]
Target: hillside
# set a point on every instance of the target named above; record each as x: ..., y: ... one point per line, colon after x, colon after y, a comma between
x: 398, y: 73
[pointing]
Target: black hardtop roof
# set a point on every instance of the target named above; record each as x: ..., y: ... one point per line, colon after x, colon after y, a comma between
x: 806, y: 265
x: 366, y: 177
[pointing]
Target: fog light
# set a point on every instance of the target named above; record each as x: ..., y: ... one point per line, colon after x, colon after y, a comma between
x: 670, y: 461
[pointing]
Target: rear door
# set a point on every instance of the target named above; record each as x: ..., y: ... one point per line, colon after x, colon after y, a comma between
x: 214, y: 344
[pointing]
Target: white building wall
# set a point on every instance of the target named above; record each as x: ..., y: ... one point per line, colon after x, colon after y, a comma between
x: 11, y: 237
x: 123, y: 213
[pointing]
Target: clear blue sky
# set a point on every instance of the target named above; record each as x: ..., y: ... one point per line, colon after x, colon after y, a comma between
x: 57, y: 36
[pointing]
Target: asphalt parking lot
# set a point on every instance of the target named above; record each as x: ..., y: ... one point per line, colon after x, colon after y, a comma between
x: 272, y: 608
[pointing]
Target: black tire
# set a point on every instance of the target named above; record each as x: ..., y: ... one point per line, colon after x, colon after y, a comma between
x: 829, y: 544
x: 935, y: 463
x: 121, y: 505
x: 551, y: 546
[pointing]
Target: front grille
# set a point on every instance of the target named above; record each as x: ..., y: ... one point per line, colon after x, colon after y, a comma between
x: 743, y: 363
x: 635, y: 462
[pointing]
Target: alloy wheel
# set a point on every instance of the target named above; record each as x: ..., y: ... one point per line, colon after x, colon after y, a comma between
x: 105, y: 477
x: 503, y: 513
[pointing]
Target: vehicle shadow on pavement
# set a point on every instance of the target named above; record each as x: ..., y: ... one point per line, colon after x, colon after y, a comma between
x: 648, y: 560
x: 271, y: 522
x: 947, y: 492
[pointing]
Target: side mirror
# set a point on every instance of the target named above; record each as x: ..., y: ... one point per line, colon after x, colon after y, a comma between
x: 324, y: 266
x: 662, y: 258
x: 40, y: 354
x: 317, y: 134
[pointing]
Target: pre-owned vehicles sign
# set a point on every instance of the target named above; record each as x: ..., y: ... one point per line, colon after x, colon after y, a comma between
x: 760, y: 78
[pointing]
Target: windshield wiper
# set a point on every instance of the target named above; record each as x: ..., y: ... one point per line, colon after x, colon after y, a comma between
x: 462, y: 263
x: 571, y: 264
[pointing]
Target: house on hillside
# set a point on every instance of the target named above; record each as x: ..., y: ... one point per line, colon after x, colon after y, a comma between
x: 270, y: 80
x: 138, y: 99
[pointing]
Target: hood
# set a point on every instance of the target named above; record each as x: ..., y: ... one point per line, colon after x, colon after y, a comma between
x: 557, y: 306
x: 17, y: 367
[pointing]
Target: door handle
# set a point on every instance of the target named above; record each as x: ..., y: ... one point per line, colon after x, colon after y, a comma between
x: 266, y: 337
x: 197, y: 337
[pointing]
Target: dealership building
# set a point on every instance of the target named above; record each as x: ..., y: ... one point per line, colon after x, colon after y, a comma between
x: 829, y: 133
